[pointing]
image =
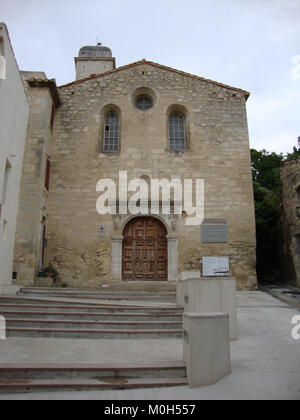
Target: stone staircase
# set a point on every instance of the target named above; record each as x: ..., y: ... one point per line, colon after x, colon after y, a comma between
x: 109, y: 313
x: 104, y: 293
x: 28, y: 378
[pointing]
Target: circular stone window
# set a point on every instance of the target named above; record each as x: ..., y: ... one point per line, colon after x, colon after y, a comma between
x: 144, y: 102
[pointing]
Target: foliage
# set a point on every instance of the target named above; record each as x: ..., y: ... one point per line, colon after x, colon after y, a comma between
x: 268, y: 198
x: 295, y: 154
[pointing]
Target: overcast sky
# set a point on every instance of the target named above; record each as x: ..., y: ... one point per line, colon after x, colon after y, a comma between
x: 250, y: 44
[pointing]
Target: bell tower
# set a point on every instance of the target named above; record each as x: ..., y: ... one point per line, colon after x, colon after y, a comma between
x: 93, y: 60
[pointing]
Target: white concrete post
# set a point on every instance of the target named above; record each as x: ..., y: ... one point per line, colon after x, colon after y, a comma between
x: 180, y: 284
x: 212, y: 294
x: 206, y: 348
x: 2, y: 328
x: 116, y: 257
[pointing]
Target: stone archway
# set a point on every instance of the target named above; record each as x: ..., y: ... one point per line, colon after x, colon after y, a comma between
x: 145, y: 250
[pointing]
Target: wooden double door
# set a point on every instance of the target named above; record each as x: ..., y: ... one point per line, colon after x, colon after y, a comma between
x: 145, y: 250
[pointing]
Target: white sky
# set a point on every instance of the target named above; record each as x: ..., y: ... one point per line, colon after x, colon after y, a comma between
x: 250, y: 44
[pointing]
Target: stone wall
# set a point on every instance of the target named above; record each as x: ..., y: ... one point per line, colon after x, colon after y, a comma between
x: 218, y: 152
x: 290, y: 173
x: 33, y: 213
x: 86, y: 67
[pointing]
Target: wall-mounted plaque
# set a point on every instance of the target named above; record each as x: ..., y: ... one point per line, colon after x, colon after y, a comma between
x: 101, y: 231
x: 215, y: 266
x: 214, y: 230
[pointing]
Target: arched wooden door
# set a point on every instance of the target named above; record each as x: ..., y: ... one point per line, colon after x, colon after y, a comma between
x: 145, y: 250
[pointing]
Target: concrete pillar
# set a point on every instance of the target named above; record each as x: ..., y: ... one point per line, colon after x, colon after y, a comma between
x: 180, y: 284
x: 2, y: 328
x: 206, y: 348
x: 10, y: 290
x: 172, y: 257
x: 212, y: 294
x: 116, y: 257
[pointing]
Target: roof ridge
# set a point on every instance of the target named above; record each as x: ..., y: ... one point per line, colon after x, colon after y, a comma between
x: 126, y: 66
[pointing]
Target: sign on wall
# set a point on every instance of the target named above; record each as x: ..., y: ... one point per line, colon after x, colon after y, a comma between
x: 214, y: 230
x: 101, y: 231
x: 215, y: 266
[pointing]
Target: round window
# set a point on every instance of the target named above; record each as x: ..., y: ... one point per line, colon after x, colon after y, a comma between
x: 144, y: 102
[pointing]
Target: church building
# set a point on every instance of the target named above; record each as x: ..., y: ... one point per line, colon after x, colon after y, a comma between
x: 147, y: 122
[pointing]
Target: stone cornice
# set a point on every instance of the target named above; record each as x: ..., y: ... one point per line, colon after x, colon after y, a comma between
x: 48, y: 83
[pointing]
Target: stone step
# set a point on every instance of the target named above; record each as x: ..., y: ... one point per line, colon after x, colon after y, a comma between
x: 90, y: 371
x: 141, y: 285
x: 92, y: 310
x: 35, y: 303
x: 92, y: 292
x: 25, y: 385
x: 105, y: 296
x: 93, y: 325
x: 96, y: 316
x: 93, y: 333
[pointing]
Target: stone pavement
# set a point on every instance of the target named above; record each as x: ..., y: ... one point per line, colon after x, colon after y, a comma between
x: 285, y: 293
x: 265, y: 358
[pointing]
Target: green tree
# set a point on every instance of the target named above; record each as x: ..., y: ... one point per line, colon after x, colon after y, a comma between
x: 295, y: 154
x: 267, y: 196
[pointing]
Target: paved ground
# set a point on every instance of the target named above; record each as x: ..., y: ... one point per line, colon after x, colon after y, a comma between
x: 287, y: 294
x: 265, y: 358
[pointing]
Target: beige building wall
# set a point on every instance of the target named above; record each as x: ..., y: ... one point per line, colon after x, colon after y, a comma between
x: 218, y: 152
x: 32, y: 215
x: 14, y: 110
x: 290, y: 173
x: 93, y: 60
x: 87, y: 67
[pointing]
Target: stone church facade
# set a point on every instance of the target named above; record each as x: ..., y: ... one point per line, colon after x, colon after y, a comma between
x: 152, y: 122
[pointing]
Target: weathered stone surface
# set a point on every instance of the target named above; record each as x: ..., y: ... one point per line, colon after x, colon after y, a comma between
x: 32, y: 214
x: 218, y: 151
x: 290, y: 173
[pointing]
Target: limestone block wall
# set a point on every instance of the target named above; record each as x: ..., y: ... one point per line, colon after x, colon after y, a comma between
x: 290, y: 173
x: 33, y: 211
x: 218, y: 152
x: 85, y: 67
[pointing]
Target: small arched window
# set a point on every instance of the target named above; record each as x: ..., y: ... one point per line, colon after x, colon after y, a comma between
x: 111, y: 132
x: 177, y: 132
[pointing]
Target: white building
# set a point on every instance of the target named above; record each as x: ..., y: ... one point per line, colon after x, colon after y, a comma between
x: 14, y: 112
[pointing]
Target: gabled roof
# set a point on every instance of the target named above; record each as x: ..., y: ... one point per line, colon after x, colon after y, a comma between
x: 151, y: 63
